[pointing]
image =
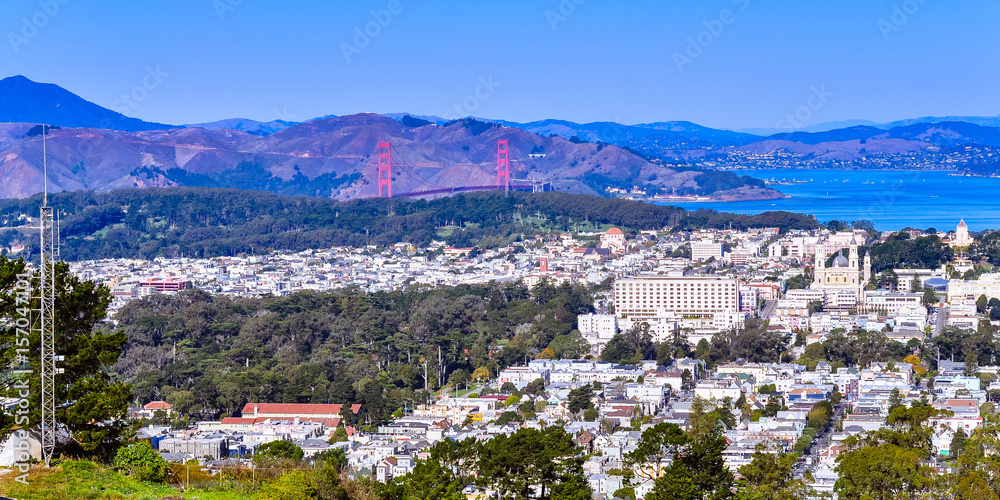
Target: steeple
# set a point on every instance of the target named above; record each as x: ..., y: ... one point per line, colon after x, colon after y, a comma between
x: 868, y: 266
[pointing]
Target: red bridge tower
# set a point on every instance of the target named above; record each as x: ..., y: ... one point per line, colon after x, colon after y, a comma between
x: 503, y: 165
x: 385, y: 168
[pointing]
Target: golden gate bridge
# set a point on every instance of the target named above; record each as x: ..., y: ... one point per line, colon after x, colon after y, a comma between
x: 384, y: 173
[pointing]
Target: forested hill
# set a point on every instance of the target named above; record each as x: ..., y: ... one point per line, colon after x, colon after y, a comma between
x: 208, y: 356
x: 207, y: 222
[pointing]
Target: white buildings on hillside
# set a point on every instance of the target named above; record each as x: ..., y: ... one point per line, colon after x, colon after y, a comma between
x: 967, y: 291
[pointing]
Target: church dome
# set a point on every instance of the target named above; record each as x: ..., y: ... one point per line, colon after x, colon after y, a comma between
x: 841, y: 261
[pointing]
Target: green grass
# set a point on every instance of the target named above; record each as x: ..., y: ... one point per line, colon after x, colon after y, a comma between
x: 89, y: 481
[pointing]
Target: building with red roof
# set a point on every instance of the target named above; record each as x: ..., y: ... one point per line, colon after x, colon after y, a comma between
x: 614, y: 240
x: 301, y: 411
x: 149, y: 409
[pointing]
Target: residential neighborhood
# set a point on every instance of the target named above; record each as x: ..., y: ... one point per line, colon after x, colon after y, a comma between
x: 804, y: 288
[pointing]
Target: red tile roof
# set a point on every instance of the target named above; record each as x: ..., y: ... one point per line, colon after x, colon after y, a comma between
x: 157, y: 405
x: 301, y: 409
x: 963, y: 402
x: 237, y: 420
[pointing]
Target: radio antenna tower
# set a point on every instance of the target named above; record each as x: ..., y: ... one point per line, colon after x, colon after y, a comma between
x: 47, y: 299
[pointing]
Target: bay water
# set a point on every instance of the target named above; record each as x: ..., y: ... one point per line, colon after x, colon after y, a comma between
x: 892, y: 199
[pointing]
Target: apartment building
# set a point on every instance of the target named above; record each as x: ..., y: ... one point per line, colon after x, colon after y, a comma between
x: 704, y: 250
x: 967, y: 291
x: 713, y: 299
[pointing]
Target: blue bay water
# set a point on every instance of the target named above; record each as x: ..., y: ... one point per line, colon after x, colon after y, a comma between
x: 892, y: 199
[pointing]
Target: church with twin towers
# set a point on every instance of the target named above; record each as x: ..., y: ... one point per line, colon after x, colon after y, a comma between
x: 844, y: 274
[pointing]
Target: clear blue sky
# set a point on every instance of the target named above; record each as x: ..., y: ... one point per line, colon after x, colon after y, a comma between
x: 602, y: 60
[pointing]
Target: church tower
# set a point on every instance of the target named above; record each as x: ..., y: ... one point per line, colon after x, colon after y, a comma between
x: 868, y: 266
x: 854, y: 254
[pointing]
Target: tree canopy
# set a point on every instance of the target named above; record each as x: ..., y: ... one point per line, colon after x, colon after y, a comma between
x: 208, y: 222
x: 90, y: 399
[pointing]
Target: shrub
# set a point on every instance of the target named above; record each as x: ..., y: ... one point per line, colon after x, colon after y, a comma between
x: 278, y: 450
x: 294, y: 485
x: 338, y: 436
x: 507, y: 416
x: 140, y: 461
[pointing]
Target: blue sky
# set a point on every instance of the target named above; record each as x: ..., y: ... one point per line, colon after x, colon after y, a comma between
x: 580, y: 60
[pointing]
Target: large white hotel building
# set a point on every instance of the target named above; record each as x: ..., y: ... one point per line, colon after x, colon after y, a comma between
x: 700, y: 302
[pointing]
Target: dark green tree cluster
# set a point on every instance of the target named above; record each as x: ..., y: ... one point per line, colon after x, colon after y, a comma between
x: 799, y: 282
x: 141, y: 461
x: 818, y: 419
x: 900, y: 251
x: 987, y: 245
x: 90, y: 400
x: 529, y: 464
x: 706, y: 218
x: 630, y: 346
x: 208, y: 222
x: 580, y: 399
x: 769, y: 476
x: 859, y: 348
x: 209, y: 356
x: 710, y: 181
x: 957, y: 344
x: 892, y: 462
x: 687, y: 465
x: 752, y: 342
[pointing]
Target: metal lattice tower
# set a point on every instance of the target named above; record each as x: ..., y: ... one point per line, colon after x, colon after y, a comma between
x: 385, y: 167
x: 46, y: 325
x: 503, y: 166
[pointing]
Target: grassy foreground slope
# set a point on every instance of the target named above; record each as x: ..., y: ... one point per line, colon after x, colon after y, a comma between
x: 87, y: 480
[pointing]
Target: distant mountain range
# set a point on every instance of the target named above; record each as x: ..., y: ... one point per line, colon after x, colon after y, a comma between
x: 331, y: 156
x: 336, y: 158
x: 246, y: 125
x: 25, y: 101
